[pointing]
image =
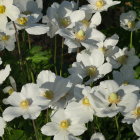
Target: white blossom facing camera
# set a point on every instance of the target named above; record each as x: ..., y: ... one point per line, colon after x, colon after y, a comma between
x: 113, y: 99
x: 62, y: 127
x: 88, y: 65
x: 23, y: 104
x: 7, y: 10
x: 128, y: 21
x: 99, y: 5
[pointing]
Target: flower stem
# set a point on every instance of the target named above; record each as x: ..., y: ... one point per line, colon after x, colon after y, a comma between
x: 18, y: 44
x: 62, y: 55
x: 29, y: 41
x: 131, y: 40
x: 36, y: 134
x: 55, y: 52
x: 118, y: 129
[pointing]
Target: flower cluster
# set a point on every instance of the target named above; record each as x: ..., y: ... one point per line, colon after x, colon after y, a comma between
x: 101, y: 81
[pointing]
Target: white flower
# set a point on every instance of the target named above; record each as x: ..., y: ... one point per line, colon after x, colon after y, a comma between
x: 97, y: 136
x: 113, y: 99
x: 10, y: 89
x: 29, y: 7
x: 83, y: 109
x: 29, y: 23
x: 133, y: 114
x: 126, y: 76
x: 124, y: 57
x: 52, y: 88
x: 4, y: 73
x: 62, y: 127
x: 7, y: 9
x: 62, y: 15
x: 99, y: 5
x: 90, y: 21
x: 90, y: 64
x: 74, y: 79
x: 136, y: 127
x: 23, y: 103
x: 2, y: 126
x: 87, y: 37
x: 108, y: 46
x: 128, y: 21
x: 7, y: 41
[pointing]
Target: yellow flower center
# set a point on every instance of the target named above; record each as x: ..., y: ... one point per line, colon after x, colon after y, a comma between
x: 80, y: 35
x: 5, y: 37
x: 10, y: 91
x: 136, y: 112
x: 103, y: 49
x: 100, y: 4
x: 131, y: 24
x: 86, y: 101
x: 64, y: 124
x: 114, y: 98
x: 85, y: 22
x: 2, y: 9
x: 24, y: 104
x: 122, y: 59
x: 125, y: 83
x: 91, y: 71
x: 22, y: 20
x: 49, y: 94
x: 65, y: 22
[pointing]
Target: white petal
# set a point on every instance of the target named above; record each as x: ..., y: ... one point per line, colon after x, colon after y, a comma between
x: 50, y: 129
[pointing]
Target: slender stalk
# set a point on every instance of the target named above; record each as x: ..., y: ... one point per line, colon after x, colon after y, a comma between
x: 131, y: 40
x: 18, y: 43
x: 32, y: 77
x: 62, y: 55
x: 29, y: 41
x: 117, y: 126
x: 97, y: 124
x: 55, y: 52
x: 36, y: 134
x: 2, y: 138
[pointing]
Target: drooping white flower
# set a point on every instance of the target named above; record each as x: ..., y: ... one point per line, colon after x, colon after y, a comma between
x: 124, y: 57
x: 7, y: 10
x: 52, y: 88
x: 4, y: 73
x: 23, y: 103
x: 113, y: 99
x: 99, y: 5
x: 2, y: 126
x: 108, y: 46
x: 97, y: 136
x: 136, y: 127
x: 10, y: 89
x: 128, y: 21
x: 29, y: 7
x: 62, y: 127
x: 30, y: 24
x: 69, y: 97
x: 7, y: 41
x: 126, y: 76
x: 88, y: 65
